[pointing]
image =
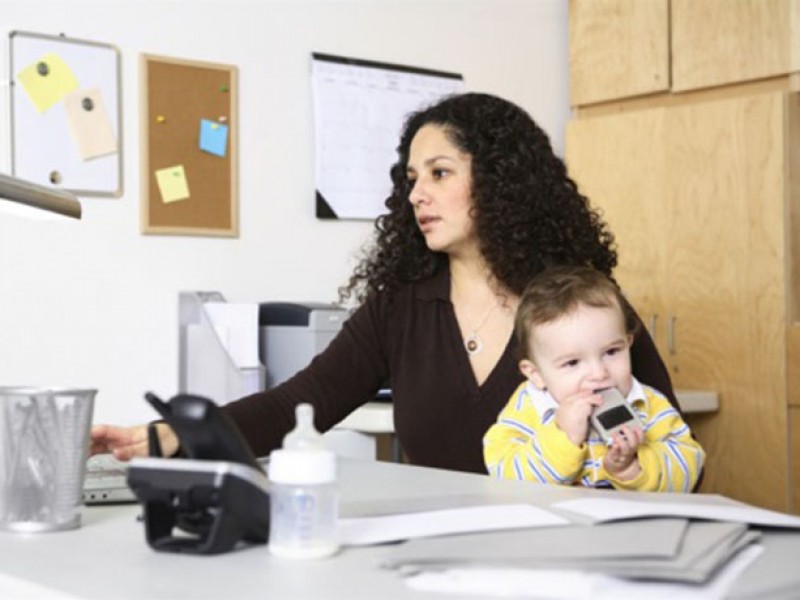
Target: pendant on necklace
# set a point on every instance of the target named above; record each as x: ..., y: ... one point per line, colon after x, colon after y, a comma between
x: 473, y: 344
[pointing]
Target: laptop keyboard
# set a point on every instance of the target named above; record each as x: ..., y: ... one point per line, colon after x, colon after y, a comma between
x: 106, y: 480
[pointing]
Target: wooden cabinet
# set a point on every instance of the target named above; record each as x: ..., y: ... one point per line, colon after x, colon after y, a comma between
x: 617, y: 48
x: 622, y: 49
x: 686, y: 133
x: 719, y: 42
x: 696, y: 195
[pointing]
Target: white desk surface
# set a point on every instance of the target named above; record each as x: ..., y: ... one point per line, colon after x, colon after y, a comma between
x: 108, y: 556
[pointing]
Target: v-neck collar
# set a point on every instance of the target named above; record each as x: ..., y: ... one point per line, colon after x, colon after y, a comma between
x: 437, y: 289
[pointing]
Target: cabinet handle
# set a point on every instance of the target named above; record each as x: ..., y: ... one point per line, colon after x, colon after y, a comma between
x: 671, y: 334
x: 651, y: 325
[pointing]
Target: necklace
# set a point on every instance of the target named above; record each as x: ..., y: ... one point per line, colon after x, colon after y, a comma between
x: 473, y: 342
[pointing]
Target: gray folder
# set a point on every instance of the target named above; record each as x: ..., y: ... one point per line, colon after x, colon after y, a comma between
x: 662, y: 549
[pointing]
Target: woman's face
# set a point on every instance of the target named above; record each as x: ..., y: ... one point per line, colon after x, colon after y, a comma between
x: 441, y: 183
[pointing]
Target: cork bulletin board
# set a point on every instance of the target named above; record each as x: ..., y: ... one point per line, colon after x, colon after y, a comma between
x: 189, y: 147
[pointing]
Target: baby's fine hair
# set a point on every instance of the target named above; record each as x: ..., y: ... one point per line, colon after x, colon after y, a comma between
x: 557, y: 291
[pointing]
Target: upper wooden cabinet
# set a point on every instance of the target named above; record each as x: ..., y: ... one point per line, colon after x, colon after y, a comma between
x: 717, y: 42
x: 621, y: 49
x: 617, y: 49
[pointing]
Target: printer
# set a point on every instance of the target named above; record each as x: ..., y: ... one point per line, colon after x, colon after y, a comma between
x: 292, y: 334
x: 285, y: 336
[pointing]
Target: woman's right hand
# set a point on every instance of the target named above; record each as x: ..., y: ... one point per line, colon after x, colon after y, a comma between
x: 126, y: 442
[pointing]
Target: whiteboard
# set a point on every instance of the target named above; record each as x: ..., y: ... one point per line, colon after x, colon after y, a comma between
x: 45, y: 148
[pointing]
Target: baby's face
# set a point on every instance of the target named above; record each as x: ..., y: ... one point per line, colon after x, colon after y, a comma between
x: 585, y: 350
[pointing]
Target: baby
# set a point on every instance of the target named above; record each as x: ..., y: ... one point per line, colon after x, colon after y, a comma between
x: 574, y: 330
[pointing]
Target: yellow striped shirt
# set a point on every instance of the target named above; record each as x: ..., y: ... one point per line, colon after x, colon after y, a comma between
x: 526, y: 444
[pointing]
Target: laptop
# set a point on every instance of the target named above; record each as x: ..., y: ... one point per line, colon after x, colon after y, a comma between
x: 106, y: 481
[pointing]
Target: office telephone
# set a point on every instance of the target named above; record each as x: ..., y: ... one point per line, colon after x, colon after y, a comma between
x: 210, y: 498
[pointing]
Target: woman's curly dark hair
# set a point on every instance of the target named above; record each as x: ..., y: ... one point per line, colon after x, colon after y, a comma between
x: 528, y: 213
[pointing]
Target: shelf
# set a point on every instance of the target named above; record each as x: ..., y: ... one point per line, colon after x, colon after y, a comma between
x: 373, y: 417
x: 698, y: 401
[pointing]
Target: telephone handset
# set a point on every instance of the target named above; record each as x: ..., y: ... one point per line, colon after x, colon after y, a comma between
x: 204, y: 431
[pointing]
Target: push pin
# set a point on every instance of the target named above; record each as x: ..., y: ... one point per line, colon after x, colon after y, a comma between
x: 160, y: 119
x: 42, y: 69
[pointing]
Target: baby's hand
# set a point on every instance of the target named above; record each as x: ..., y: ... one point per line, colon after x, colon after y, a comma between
x: 621, y: 461
x: 572, y: 415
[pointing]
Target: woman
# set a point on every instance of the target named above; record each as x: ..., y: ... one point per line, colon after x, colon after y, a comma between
x: 480, y: 204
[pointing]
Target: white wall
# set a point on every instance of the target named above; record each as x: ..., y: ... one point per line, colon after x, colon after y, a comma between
x: 94, y: 302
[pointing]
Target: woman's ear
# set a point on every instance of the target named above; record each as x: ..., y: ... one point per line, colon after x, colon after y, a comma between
x: 531, y: 372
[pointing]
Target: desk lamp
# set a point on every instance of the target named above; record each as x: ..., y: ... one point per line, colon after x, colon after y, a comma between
x: 39, y: 196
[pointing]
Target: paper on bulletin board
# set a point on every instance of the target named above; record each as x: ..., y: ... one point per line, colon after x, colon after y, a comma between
x: 359, y: 110
x: 213, y: 137
x: 172, y: 184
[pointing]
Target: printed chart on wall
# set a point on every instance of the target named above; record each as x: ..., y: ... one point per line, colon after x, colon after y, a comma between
x: 359, y: 110
x: 189, y: 158
x: 66, y: 113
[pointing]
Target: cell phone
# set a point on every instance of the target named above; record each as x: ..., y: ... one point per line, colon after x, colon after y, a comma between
x: 613, y: 414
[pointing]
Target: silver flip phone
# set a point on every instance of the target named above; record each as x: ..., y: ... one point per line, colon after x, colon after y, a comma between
x: 614, y: 413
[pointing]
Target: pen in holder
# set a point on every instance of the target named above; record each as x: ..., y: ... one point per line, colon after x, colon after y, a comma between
x: 212, y: 498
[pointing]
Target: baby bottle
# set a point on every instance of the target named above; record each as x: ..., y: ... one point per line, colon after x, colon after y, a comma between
x: 303, y: 495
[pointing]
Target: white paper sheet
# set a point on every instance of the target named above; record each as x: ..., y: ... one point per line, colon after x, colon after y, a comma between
x: 236, y: 325
x: 376, y: 530
x: 610, y: 509
x: 576, y: 585
x: 12, y: 588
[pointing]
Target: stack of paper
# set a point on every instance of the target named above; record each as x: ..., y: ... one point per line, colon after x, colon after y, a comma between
x: 663, y: 549
x: 649, y: 545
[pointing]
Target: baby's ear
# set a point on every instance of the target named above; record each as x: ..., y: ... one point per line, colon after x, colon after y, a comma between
x: 532, y: 374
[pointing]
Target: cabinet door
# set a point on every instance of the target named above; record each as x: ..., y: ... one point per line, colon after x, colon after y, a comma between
x: 695, y: 196
x: 716, y: 42
x: 619, y: 164
x: 726, y: 265
x: 617, y: 49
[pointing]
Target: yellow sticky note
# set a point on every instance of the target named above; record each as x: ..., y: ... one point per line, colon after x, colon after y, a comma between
x: 47, y: 80
x: 172, y: 184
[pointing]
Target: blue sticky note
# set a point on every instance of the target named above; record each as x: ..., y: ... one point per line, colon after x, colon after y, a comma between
x: 213, y: 137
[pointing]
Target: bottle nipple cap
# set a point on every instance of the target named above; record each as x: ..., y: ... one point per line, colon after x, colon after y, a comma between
x: 303, y: 458
x: 304, y: 436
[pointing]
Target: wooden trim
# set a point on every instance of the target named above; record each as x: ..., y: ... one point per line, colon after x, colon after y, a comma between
x: 783, y: 83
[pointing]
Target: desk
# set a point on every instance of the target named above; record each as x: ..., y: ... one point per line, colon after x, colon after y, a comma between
x: 377, y: 417
x: 109, y: 558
